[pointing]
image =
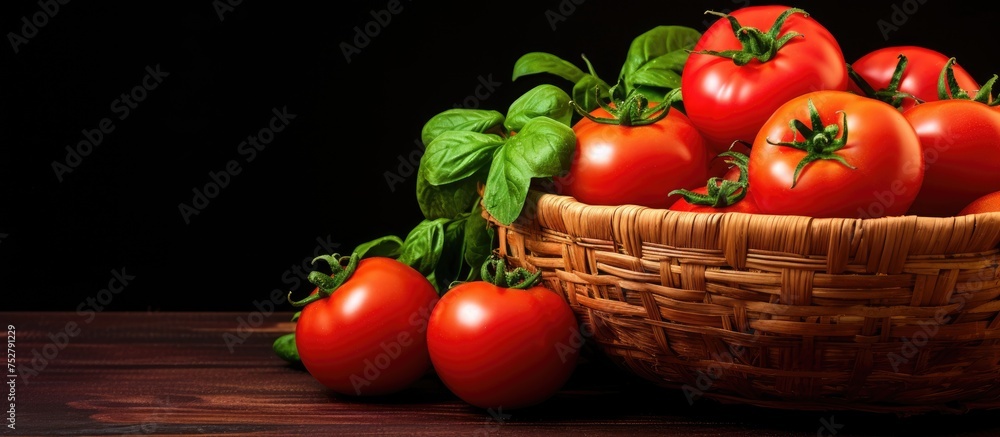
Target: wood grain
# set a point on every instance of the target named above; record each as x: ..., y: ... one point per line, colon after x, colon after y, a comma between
x: 130, y: 373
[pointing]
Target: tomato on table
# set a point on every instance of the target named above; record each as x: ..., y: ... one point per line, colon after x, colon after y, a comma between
x: 504, y: 341
x: 362, y: 331
x: 836, y: 154
x: 750, y: 62
x: 902, y: 75
x: 634, y: 153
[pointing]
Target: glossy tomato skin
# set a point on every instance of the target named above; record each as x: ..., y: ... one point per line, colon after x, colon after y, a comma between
x: 987, y: 203
x: 961, y: 142
x: 369, y: 337
x: 920, y: 78
x: 638, y: 165
x: 881, y: 146
x: 728, y: 102
x: 497, y: 347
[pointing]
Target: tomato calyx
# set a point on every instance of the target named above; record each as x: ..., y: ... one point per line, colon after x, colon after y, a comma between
x: 721, y: 192
x: 819, y: 141
x: 755, y: 43
x: 343, y: 267
x: 891, y: 93
x: 948, y: 88
x: 495, y: 272
x: 633, y: 110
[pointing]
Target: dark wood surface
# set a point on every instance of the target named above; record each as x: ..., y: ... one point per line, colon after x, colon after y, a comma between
x: 128, y: 373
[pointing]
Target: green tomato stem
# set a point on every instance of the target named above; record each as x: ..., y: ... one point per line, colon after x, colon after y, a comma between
x: 756, y: 45
x: 819, y: 142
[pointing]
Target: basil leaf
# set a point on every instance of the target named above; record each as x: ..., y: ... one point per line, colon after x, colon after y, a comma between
x: 656, y: 42
x: 540, y: 62
x: 460, y: 119
x: 284, y: 348
x: 541, y: 101
x: 423, y: 246
x: 448, y: 200
x: 388, y: 246
x: 657, y: 77
x: 478, y: 244
x: 542, y: 149
x: 586, y: 94
x: 457, y: 155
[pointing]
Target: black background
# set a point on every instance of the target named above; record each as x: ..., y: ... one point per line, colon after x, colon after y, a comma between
x: 323, y: 177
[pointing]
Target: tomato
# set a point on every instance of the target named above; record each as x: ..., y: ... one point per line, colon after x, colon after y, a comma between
x: 918, y: 73
x: 847, y: 156
x: 730, y: 99
x: 961, y: 142
x: 987, y: 203
x: 638, y: 164
x: 497, y: 346
x: 729, y: 193
x: 369, y: 336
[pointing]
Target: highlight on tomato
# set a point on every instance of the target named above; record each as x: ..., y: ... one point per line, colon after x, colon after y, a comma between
x: 904, y: 76
x: 634, y: 152
x: 836, y: 154
x: 960, y: 138
x: 503, y: 342
x: 363, y: 330
x: 750, y: 62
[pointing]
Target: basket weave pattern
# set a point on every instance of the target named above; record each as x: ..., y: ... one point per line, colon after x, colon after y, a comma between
x: 891, y: 314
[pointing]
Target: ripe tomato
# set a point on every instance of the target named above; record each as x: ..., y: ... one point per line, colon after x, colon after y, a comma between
x: 369, y: 336
x: 617, y: 164
x: 917, y: 74
x: 847, y: 156
x: 496, y: 346
x: 729, y: 100
x: 988, y: 203
x: 960, y: 141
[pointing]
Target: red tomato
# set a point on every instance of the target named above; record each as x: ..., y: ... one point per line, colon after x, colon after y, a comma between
x: 638, y: 165
x: 369, y: 337
x: 863, y: 158
x: 728, y: 101
x: 987, y: 203
x: 919, y: 78
x: 499, y: 347
x: 961, y: 142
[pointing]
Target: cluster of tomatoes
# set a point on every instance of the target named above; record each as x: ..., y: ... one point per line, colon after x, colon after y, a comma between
x: 377, y: 326
x: 775, y: 121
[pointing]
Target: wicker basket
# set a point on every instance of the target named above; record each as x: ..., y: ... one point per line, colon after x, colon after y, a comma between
x: 882, y: 315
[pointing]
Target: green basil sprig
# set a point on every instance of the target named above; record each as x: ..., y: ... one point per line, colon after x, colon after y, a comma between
x: 533, y: 141
x: 653, y: 65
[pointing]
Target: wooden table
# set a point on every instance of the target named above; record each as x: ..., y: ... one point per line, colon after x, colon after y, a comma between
x: 116, y: 373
